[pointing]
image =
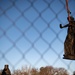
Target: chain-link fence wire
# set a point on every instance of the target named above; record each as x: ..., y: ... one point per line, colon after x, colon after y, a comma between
x: 30, y: 33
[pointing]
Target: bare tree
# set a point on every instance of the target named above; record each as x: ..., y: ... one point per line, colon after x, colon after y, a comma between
x: 61, y: 71
x: 49, y: 70
x: 34, y: 71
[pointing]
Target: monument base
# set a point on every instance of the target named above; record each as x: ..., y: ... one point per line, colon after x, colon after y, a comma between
x: 69, y: 57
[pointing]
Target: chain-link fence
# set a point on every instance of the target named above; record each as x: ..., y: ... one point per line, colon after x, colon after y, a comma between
x: 30, y: 33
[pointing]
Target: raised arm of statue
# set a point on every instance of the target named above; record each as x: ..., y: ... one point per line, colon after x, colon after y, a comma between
x: 64, y: 26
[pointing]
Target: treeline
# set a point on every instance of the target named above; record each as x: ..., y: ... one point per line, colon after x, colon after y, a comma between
x: 48, y: 70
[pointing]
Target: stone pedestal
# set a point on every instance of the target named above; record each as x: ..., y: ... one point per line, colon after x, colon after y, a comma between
x: 69, y: 57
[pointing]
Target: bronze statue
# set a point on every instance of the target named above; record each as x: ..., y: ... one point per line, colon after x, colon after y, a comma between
x: 69, y: 44
x: 6, y: 70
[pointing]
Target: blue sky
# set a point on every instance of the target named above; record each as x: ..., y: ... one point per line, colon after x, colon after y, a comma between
x: 30, y: 33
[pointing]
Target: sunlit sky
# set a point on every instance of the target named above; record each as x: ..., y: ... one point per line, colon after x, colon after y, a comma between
x: 30, y: 33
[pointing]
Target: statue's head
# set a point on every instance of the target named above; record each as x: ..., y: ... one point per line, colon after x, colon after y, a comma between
x: 6, y: 66
x: 71, y: 18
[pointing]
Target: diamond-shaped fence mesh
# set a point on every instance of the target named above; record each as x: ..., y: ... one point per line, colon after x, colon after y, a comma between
x: 30, y: 33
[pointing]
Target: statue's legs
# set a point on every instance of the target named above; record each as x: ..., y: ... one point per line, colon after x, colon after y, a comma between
x: 69, y: 47
x: 73, y: 45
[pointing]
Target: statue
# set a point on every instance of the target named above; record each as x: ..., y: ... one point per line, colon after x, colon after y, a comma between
x: 6, y: 70
x: 69, y: 44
